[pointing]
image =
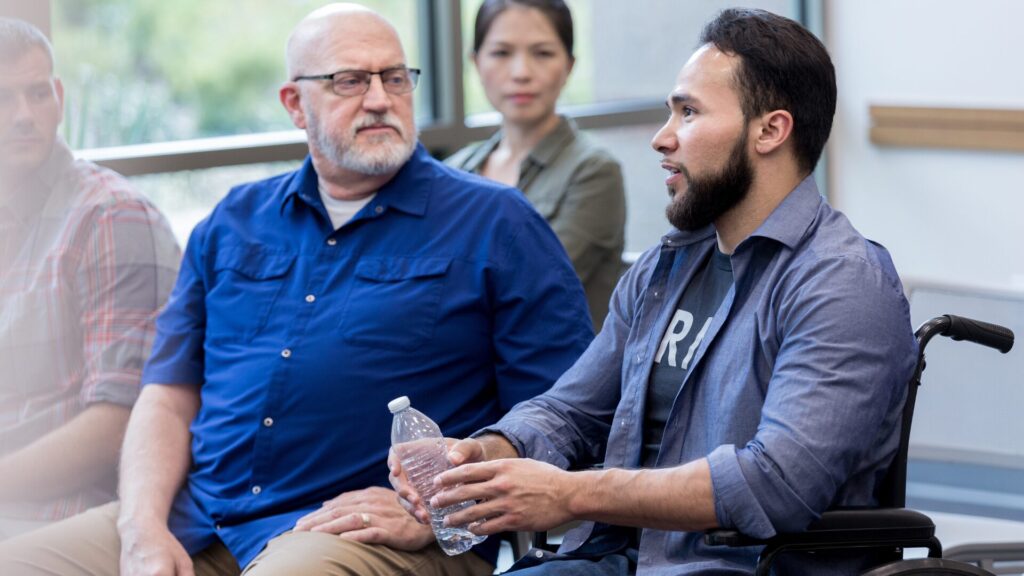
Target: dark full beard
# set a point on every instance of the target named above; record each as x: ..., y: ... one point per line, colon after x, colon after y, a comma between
x: 708, y: 197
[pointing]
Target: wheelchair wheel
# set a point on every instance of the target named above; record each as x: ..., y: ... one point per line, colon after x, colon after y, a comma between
x: 927, y: 567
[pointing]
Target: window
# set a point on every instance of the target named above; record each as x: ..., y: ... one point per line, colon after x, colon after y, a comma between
x: 187, y: 196
x: 142, y: 71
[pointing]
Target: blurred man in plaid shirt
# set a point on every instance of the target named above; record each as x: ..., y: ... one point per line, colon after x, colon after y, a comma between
x: 85, y: 265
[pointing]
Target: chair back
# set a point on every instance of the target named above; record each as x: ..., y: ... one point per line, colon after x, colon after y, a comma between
x: 892, y: 492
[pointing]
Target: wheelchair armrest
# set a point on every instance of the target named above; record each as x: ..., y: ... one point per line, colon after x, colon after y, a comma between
x: 842, y: 527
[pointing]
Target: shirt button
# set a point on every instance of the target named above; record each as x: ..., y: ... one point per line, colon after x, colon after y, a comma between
x: 268, y: 422
x: 539, y: 553
x: 217, y: 527
x: 286, y: 353
x: 378, y: 209
x: 256, y: 490
x: 638, y: 360
x: 656, y: 293
x: 331, y: 241
x: 310, y: 298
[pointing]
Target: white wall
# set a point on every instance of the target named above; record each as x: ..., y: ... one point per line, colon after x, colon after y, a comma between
x: 945, y: 215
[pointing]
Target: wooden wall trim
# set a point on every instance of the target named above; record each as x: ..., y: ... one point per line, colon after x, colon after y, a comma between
x: 961, y: 128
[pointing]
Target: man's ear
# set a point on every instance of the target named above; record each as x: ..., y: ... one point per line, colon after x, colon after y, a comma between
x: 291, y: 99
x: 773, y: 129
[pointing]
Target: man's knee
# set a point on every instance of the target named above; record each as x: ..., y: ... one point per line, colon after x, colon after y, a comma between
x: 86, y: 544
x: 327, y: 554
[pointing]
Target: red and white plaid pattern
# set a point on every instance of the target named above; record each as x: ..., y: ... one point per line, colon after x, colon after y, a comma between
x: 86, y: 263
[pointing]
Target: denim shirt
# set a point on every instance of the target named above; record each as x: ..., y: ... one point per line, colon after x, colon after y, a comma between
x: 794, y: 395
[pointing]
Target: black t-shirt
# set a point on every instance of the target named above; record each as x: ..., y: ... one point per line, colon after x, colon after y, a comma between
x: 685, y: 331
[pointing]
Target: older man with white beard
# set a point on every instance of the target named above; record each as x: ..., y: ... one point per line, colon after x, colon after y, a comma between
x: 304, y: 304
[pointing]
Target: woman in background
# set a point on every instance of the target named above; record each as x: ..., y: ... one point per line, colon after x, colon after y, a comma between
x: 523, y: 51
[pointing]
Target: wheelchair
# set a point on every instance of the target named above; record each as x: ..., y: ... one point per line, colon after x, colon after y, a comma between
x: 891, y: 527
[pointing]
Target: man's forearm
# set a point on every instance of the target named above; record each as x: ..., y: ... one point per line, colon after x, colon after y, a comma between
x: 157, y: 453
x: 679, y: 498
x: 80, y: 454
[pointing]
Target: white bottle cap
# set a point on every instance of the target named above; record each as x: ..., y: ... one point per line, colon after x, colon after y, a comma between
x: 399, y: 404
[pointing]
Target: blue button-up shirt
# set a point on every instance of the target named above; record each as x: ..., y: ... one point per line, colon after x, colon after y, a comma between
x: 794, y: 396
x: 445, y: 287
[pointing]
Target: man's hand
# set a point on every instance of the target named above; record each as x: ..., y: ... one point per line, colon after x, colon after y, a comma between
x: 459, y: 451
x: 370, y: 516
x: 152, y: 551
x: 513, y: 494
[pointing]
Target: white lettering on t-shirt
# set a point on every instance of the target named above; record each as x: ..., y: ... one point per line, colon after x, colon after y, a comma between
x: 678, y: 328
x: 696, y: 343
x: 673, y: 335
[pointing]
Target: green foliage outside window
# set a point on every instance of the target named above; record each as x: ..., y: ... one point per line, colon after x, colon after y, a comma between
x: 140, y: 71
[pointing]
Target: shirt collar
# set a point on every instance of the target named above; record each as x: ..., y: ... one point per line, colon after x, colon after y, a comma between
x: 789, y: 222
x: 542, y: 154
x: 687, y: 237
x: 408, y: 191
x: 551, y: 145
x: 28, y: 201
x: 478, y: 156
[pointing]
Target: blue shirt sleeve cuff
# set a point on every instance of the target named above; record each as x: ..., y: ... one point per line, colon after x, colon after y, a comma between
x: 735, y: 505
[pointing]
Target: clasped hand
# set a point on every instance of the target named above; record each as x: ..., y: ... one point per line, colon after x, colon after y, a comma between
x: 370, y: 516
x: 511, y: 494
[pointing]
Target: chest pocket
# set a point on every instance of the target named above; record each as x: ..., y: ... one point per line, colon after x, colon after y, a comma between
x: 394, y: 301
x: 248, y: 280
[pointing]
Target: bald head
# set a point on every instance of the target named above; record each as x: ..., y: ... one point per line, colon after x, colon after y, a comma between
x: 328, y: 32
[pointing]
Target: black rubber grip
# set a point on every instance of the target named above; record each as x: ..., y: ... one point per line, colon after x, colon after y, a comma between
x: 991, y: 335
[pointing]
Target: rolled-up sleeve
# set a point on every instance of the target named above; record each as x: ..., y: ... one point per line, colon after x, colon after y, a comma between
x: 127, y: 269
x: 837, y: 388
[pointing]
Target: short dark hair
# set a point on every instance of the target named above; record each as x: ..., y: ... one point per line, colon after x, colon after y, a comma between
x: 782, y: 67
x: 17, y: 37
x: 555, y: 10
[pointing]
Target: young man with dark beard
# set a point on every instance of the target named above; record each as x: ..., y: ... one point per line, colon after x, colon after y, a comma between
x: 753, y: 366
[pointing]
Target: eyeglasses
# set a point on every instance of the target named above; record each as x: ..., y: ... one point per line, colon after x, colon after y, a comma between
x: 398, y: 80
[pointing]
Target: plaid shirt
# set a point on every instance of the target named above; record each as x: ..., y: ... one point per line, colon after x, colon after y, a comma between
x: 85, y: 265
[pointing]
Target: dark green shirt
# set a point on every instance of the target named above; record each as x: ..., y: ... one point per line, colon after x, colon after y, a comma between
x: 577, y: 187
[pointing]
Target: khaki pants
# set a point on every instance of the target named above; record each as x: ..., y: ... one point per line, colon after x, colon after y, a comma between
x: 88, y: 545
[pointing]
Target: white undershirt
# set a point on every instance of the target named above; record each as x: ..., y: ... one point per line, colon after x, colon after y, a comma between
x: 341, y: 211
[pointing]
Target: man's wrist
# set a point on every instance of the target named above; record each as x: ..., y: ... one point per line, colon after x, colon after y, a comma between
x: 497, y: 446
x: 580, y: 488
x: 138, y: 521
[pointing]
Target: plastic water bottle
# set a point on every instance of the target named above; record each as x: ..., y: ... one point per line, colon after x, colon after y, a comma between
x: 424, y: 454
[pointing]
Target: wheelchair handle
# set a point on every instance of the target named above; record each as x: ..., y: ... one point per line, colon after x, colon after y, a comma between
x: 991, y: 335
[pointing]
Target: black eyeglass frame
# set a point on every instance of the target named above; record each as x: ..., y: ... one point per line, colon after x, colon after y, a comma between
x: 413, y: 73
